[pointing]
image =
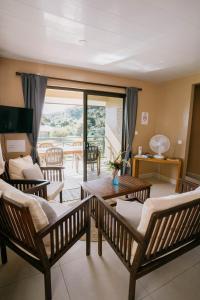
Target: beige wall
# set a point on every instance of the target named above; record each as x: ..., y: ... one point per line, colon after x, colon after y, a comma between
x: 11, y: 92
x: 168, y: 103
x: 174, y: 115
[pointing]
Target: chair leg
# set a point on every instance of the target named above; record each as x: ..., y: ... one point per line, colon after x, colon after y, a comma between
x: 99, y: 242
x: 3, y: 251
x: 132, y: 285
x: 98, y: 166
x: 61, y: 197
x: 47, y: 285
x: 88, y: 243
x: 77, y: 164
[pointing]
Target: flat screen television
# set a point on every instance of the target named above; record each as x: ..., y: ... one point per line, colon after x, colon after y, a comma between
x: 15, y: 119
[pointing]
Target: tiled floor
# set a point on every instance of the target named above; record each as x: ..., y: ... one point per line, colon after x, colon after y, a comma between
x: 77, y: 277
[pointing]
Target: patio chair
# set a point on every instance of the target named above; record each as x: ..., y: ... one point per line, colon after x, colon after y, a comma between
x: 54, y: 156
x: 77, y: 156
x: 43, y: 243
x: 93, y: 157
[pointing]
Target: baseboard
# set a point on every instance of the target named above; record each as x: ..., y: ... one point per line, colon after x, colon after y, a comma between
x: 158, y: 176
x: 147, y: 175
x: 166, y: 178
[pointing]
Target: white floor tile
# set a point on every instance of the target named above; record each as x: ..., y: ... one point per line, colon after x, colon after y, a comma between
x: 161, y: 276
x: 160, y: 188
x: 32, y: 288
x: 168, y: 292
x: 98, y: 278
x: 183, y: 287
x: 15, y: 269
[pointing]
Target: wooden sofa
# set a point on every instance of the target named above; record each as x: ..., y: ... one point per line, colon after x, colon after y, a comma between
x: 17, y: 232
x: 170, y: 233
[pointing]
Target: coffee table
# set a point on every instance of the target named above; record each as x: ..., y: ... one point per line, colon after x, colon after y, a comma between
x: 127, y: 185
x: 103, y: 187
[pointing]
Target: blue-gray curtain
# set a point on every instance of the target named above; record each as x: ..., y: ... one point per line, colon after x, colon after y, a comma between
x: 130, y: 115
x: 34, y: 87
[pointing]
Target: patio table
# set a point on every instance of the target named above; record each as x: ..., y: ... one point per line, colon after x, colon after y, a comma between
x: 66, y: 150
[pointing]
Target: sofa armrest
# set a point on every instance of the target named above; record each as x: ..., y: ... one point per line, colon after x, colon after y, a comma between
x: 53, y: 174
x: 66, y: 229
x: 36, y: 187
x: 187, y: 186
x: 119, y: 233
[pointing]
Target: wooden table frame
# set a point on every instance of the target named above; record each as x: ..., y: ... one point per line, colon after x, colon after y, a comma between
x: 176, y: 162
x: 128, y: 185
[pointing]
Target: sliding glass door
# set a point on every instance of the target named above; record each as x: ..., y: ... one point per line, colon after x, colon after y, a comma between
x: 103, y: 122
x: 87, y: 126
x: 62, y: 127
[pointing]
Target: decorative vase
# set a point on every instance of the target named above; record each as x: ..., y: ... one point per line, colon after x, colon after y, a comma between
x: 115, y: 180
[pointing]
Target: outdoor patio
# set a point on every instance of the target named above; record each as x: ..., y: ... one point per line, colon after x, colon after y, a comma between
x: 73, y: 176
x: 73, y: 179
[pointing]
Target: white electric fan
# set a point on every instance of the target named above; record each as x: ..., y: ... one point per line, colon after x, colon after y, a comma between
x: 159, y: 144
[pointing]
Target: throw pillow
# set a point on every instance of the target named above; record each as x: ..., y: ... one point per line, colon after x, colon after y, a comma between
x: 17, y: 165
x: 49, y: 211
x: 34, y: 172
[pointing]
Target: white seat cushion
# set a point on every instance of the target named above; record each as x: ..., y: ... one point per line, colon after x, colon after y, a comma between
x: 131, y: 211
x: 17, y: 165
x: 59, y: 208
x: 53, y: 189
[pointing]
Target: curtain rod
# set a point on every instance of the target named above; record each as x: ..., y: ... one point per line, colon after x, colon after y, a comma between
x: 85, y: 82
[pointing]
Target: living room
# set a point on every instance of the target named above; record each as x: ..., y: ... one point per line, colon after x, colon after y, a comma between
x: 166, y: 95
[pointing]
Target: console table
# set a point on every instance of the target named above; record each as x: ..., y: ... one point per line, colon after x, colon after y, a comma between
x: 176, y: 162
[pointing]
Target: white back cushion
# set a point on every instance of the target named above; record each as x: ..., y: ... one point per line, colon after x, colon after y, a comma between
x: 152, y: 205
x: 17, y: 165
x: 4, y: 186
x: 131, y: 211
x: 10, y: 193
x: 46, y: 206
x: 33, y: 173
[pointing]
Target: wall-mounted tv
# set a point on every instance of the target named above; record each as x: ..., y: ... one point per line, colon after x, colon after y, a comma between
x: 15, y: 119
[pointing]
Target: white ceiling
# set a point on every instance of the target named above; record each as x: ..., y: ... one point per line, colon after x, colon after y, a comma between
x: 154, y: 40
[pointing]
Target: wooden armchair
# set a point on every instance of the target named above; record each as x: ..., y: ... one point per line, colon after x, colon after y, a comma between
x: 17, y: 232
x: 170, y: 233
x: 54, y: 156
x: 93, y: 156
x: 53, y: 182
x: 36, y: 187
x: 55, y: 175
